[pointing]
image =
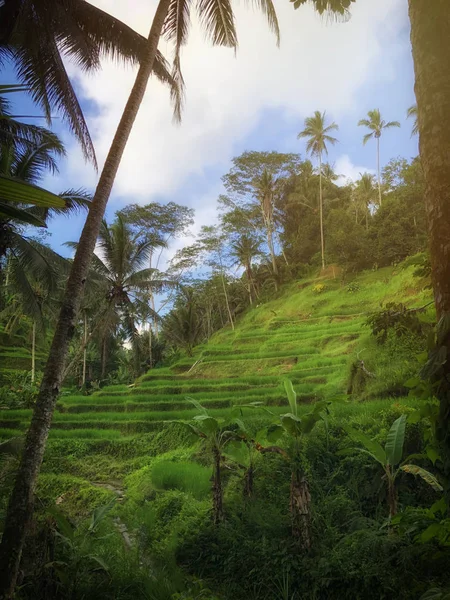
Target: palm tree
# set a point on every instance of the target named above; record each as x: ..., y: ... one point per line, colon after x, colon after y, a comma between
x: 376, y: 125
x: 265, y: 192
x: 121, y: 276
x: 364, y: 194
x: 412, y: 113
x: 183, y: 325
x: 244, y: 249
x: 37, y: 38
x: 172, y: 18
x: 318, y: 134
x: 27, y: 259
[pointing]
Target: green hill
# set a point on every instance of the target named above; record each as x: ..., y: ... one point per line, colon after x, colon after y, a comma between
x: 125, y: 442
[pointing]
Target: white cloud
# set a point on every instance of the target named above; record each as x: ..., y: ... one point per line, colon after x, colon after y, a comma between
x: 348, y: 171
x: 318, y: 66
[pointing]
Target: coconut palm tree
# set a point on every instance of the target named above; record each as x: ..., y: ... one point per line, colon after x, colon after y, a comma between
x: 376, y: 125
x: 171, y: 18
x: 318, y: 134
x: 412, y: 113
x: 37, y: 37
x: 120, y: 276
x: 244, y: 249
x: 364, y: 194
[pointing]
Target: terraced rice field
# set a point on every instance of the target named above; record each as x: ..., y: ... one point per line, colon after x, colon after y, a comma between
x: 310, y: 338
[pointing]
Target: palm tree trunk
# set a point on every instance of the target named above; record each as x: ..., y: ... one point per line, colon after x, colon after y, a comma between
x: 20, y: 507
x: 300, y: 501
x: 378, y: 169
x: 33, y: 353
x: 322, y: 243
x: 271, y: 248
x: 430, y: 22
x: 85, y: 349
x: 227, y: 302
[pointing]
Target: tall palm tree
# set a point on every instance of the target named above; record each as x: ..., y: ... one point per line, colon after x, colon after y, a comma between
x: 38, y: 34
x: 172, y: 18
x: 412, y: 113
x: 120, y: 276
x: 318, y: 134
x: 377, y: 125
x: 431, y: 56
x: 364, y: 195
x: 245, y: 248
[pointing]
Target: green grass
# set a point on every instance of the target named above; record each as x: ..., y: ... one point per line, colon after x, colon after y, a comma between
x: 185, y: 476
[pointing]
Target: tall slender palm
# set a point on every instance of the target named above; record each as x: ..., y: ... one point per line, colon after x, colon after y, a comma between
x: 377, y: 125
x: 172, y: 18
x: 38, y: 34
x: 318, y: 134
x: 412, y: 113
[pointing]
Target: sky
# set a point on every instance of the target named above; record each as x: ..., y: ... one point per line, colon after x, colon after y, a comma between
x: 254, y: 99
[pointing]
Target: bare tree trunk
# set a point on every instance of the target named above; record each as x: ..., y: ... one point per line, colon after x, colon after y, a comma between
x: 227, y: 302
x: 33, y: 353
x: 20, y: 507
x: 378, y: 169
x: 217, y: 489
x: 322, y: 243
x: 430, y: 24
x: 300, y: 501
x: 83, y: 380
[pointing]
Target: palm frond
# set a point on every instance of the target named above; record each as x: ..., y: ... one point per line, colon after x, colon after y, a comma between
x: 39, y: 66
x: 217, y: 19
x: 367, y: 137
x: 268, y: 10
x: 391, y: 124
x: 9, y: 211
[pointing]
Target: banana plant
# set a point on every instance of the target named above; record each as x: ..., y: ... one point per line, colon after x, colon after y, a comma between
x: 390, y: 458
x: 243, y: 452
x: 216, y: 434
x: 297, y: 427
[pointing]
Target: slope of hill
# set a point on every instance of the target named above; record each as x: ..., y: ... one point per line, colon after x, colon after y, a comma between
x: 124, y: 442
x: 311, y: 333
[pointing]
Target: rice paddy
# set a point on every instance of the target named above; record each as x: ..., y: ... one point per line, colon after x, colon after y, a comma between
x: 312, y: 339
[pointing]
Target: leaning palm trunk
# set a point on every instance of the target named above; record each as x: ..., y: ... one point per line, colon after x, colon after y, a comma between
x: 322, y: 243
x: 85, y: 342
x: 20, y: 506
x: 300, y: 501
x: 430, y: 22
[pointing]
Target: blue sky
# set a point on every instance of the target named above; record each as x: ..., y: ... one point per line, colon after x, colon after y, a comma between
x: 256, y: 101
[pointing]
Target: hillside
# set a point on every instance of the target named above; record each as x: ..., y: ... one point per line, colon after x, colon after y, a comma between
x: 124, y: 443
x: 311, y: 334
